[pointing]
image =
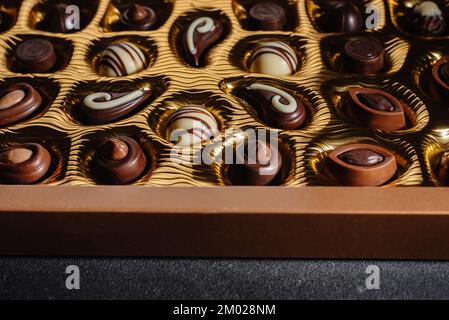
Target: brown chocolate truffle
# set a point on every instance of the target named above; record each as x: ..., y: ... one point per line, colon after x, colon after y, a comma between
x: 361, y: 164
x: 24, y: 164
x: 18, y: 102
x: 341, y: 16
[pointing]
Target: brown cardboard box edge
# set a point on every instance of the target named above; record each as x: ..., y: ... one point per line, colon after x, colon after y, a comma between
x: 271, y: 222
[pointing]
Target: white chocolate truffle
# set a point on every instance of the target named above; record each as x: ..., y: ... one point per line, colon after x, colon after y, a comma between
x: 274, y: 58
x: 121, y: 59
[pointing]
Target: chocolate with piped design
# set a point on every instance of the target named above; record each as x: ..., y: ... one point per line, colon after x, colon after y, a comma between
x: 376, y: 109
x: 274, y: 58
x: 200, y: 35
x: 267, y: 16
x: 363, y: 55
x: 24, y: 163
x: 17, y: 102
x: 426, y: 19
x: 138, y: 17
x: 105, y: 107
x: 361, y: 164
x: 190, y: 126
x: 257, y: 163
x: 275, y: 106
x: 119, y: 160
x: 36, y: 56
x: 121, y: 59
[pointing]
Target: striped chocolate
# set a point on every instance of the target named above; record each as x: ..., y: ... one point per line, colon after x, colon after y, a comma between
x: 121, y: 59
x: 275, y: 58
x: 191, y: 126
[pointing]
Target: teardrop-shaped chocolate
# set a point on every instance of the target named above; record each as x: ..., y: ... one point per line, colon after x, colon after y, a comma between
x: 200, y: 35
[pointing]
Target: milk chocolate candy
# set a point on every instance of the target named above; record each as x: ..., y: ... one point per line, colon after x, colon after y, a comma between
x: 105, y: 107
x: 36, y: 56
x: 257, y: 163
x: 18, y: 102
x: 361, y: 164
x: 138, y: 17
x: 276, y: 107
x: 376, y: 109
x: 119, y: 160
x: 363, y: 55
x: 24, y: 163
x: 426, y: 19
x: 199, y: 37
x: 267, y: 16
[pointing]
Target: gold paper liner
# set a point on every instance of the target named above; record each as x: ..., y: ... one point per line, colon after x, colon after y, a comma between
x: 177, y: 84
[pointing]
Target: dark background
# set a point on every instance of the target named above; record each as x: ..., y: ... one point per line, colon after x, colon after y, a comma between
x: 145, y: 278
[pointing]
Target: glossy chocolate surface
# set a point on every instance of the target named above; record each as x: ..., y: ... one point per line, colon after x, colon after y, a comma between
x: 363, y: 55
x: 342, y: 16
x: 17, y: 102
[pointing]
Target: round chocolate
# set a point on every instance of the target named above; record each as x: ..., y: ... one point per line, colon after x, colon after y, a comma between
x: 267, y: 16
x: 342, y: 16
x: 17, y: 102
x: 198, y: 38
x: 257, y: 163
x: 274, y: 58
x: 190, y: 126
x: 364, y: 55
x: 275, y: 106
x: 36, y: 56
x: 121, y: 59
x: 105, y: 107
x: 24, y: 163
x: 426, y: 19
x: 376, y: 109
x: 361, y: 164
x: 137, y: 17
x: 119, y: 160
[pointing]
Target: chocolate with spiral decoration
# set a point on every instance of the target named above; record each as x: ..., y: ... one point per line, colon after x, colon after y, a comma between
x: 274, y: 58
x: 24, y: 163
x: 200, y: 35
x: 119, y: 160
x: 121, y: 59
x: 275, y: 106
x: 105, y: 107
x: 18, y: 102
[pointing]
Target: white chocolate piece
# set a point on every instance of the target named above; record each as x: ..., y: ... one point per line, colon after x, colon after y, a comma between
x: 276, y: 100
x: 91, y: 101
x: 427, y: 9
x: 121, y: 59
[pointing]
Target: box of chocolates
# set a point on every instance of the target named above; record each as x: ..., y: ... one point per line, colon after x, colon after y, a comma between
x: 232, y: 128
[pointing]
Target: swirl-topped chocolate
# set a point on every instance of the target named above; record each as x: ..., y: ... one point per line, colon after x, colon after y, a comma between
x: 24, y: 163
x: 190, y: 126
x: 138, y: 17
x: 257, y: 163
x: 119, y: 160
x: 17, y: 102
x: 361, y: 164
x: 105, y: 107
x: 376, y: 109
x: 426, y: 19
x: 200, y: 35
x: 274, y: 58
x: 275, y: 106
x: 121, y: 59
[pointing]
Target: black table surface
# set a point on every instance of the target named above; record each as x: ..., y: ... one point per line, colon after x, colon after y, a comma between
x: 150, y: 278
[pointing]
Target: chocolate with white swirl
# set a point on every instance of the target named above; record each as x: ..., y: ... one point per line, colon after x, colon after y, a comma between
x: 119, y: 160
x: 275, y: 58
x: 274, y: 106
x: 18, y: 102
x: 257, y: 163
x: 121, y: 59
x: 427, y: 19
x: 105, y: 107
x: 24, y: 163
x: 199, y: 37
x: 190, y: 126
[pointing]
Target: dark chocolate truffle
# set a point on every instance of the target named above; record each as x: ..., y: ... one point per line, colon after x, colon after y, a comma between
x: 275, y: 106
x: 361, y: 164
x: 200, y: 35
x: 342, y: 16
x: 119, y: 160
x: 267, y: 16
x: 59, y: 18
x: 257, y: 163
x: 363, y: 55
x: 437, y: 81
x: 137, y: 17
x: 426, y: 19
x: 105, y: 107
x: 36, y: 56
x: 17, y: 102
x: 376, y: 109
x: 24, y: 164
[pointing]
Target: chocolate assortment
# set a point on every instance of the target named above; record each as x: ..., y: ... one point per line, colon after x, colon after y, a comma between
x: 136, y: 80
